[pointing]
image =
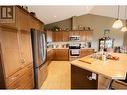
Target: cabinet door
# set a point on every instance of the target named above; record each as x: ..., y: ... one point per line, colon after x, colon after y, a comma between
x: 22, y: 79
x: 23, y: 20
x: 35, y: 24
x: 65, y: 36
x: 57, y: 36
x: 74, y: 33
x: 26, y: 49
x: 49, y: 36
x: 80, y: 80
x: 61, y: 55
x: 10, y: 51
x: 86, y: 52
x: 89, y: 35
x: 83, y: 35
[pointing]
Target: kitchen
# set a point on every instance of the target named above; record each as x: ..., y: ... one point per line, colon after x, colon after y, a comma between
x: 34, y: 55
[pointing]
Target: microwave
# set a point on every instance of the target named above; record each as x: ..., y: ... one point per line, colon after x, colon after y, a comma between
x: 74, y: 38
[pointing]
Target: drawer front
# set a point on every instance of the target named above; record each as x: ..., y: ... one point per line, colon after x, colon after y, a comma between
x: 23, y: 78
x: 14, y: 77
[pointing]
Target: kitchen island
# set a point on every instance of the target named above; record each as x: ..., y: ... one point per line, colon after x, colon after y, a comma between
x: 110, y: 69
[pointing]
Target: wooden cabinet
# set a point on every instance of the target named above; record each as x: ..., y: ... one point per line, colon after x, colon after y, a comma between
x: 65, y: 36
x: 89, y: 35
x: 16, y: 50
x: 86, y: 52
x: 83, y: 36
x: 80, y: 79
x: 23, y: 22
x: 74, y: 33
x: 57, y: 36
x: 26, y: 48
x: 60, y: 36
x: 50, y: 56
x: 10, y: 50
x: 61, y: 54
x: 35, y: 24
x: 49, y: 36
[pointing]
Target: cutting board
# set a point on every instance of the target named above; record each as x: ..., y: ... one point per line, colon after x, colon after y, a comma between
x: 88, y: 60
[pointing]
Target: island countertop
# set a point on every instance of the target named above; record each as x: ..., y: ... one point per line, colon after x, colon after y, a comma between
x: 111, y: 68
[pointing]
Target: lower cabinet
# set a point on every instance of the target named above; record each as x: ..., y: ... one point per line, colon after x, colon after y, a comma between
x: 86, y: 52
x: 50, y: 55
x: 80, y: 79
x: 61, y: 55
x: 22, y: 79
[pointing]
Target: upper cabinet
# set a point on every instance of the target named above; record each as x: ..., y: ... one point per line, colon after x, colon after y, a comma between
x: 35, y: 24
x: 23, y: 20
x: 74, y: 33
x: 57, y: 36
x: 65, y: 36
x: 49, y: 36
x: 83, y: 36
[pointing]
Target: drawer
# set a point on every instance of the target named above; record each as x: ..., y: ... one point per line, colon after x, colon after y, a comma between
x: 23, y: 81
x: 13, y: 78
x: 21, y: 78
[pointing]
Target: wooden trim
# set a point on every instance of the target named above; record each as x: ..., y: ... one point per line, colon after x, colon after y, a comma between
x: 7, y: 27
x: 24, y: 30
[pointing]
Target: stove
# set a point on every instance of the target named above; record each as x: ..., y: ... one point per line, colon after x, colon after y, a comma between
x: 74, y: 51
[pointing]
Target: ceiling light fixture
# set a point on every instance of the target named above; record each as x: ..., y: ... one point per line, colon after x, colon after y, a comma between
x: 118, y: 23
x: 124, y: 29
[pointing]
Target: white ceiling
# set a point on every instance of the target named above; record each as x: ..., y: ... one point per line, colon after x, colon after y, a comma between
x: 50, y: 14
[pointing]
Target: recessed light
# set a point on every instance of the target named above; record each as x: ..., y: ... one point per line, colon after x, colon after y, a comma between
x: 54, y: 16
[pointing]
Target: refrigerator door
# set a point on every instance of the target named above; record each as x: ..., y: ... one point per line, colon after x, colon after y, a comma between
x: 38, y: 47
x: 42, y: 49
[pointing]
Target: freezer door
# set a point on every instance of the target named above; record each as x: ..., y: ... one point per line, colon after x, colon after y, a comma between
x: 41, y: 74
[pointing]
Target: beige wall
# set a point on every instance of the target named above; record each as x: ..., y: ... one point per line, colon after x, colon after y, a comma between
x: 98, y: 24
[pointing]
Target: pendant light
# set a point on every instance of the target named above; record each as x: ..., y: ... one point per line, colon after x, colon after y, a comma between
x: 118, y: 23
x: 124, y: 29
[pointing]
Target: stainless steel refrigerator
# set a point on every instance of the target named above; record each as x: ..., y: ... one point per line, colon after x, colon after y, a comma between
x: 39, y: 45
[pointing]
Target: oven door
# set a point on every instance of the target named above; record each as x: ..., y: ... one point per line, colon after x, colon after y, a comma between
x: 74, y: 52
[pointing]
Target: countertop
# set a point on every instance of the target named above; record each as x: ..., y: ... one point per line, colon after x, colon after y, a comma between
x: 111, y: 69
x: 48, y: 49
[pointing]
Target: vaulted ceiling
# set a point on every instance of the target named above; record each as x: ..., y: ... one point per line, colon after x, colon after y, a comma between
x: 50, y: 14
